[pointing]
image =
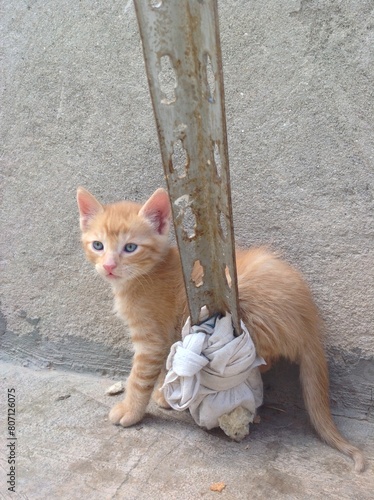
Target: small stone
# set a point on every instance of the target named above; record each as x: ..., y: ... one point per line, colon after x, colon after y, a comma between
x: 116, y: 388
x: 236, y: 423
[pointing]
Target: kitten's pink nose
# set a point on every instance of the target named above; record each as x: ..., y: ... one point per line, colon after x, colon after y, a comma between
x: 109, y: 267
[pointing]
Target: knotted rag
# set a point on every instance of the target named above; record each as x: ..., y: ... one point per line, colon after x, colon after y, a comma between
x: 212, y: 372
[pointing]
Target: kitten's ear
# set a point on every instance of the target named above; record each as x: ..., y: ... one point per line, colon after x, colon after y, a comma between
x: 157, y: 211
x: 88, y: 206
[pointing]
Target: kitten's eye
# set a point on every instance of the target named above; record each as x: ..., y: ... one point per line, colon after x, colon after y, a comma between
x: 97, y: 245
x: 130, y: 247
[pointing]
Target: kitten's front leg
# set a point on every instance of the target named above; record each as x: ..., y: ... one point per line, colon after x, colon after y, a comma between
x: 147, y: 364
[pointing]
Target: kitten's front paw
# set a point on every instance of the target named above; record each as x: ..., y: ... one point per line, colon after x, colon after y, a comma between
x: 122, y: 415
x: 159, y: 398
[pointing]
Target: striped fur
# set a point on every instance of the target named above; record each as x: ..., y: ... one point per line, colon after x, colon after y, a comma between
x: 275, y: 304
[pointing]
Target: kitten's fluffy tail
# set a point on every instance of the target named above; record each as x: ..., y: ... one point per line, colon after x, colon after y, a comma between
x: 315, y: 385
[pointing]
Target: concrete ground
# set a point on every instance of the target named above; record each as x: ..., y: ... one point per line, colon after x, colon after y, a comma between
x: 67, y: 449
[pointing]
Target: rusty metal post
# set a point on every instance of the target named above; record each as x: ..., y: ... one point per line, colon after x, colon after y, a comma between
x: 184, y: 67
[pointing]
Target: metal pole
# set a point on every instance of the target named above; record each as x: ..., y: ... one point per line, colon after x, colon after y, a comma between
x: 184, y: 67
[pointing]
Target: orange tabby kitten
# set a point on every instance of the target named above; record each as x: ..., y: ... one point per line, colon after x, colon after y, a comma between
x: 128, y: 245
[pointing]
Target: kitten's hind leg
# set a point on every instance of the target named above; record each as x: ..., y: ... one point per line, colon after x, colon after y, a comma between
x: 158, y: 395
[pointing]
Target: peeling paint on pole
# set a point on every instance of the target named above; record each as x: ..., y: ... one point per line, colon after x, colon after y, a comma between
x: 183, y: 61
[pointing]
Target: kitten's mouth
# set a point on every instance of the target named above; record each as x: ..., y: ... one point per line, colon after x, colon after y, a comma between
x: 111, y: 276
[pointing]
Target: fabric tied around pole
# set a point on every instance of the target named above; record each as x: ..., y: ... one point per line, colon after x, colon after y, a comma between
x: 215, y: 374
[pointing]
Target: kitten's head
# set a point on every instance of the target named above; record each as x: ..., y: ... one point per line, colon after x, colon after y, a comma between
x: 124, y: 240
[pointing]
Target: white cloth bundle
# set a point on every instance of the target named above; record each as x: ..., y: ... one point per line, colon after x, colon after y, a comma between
x: 212, y: 372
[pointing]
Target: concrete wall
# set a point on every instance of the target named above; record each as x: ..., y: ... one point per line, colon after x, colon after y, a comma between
x: 299, y: 81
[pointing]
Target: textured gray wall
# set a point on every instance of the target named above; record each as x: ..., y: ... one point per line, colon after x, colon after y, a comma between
x: 299, y: 81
